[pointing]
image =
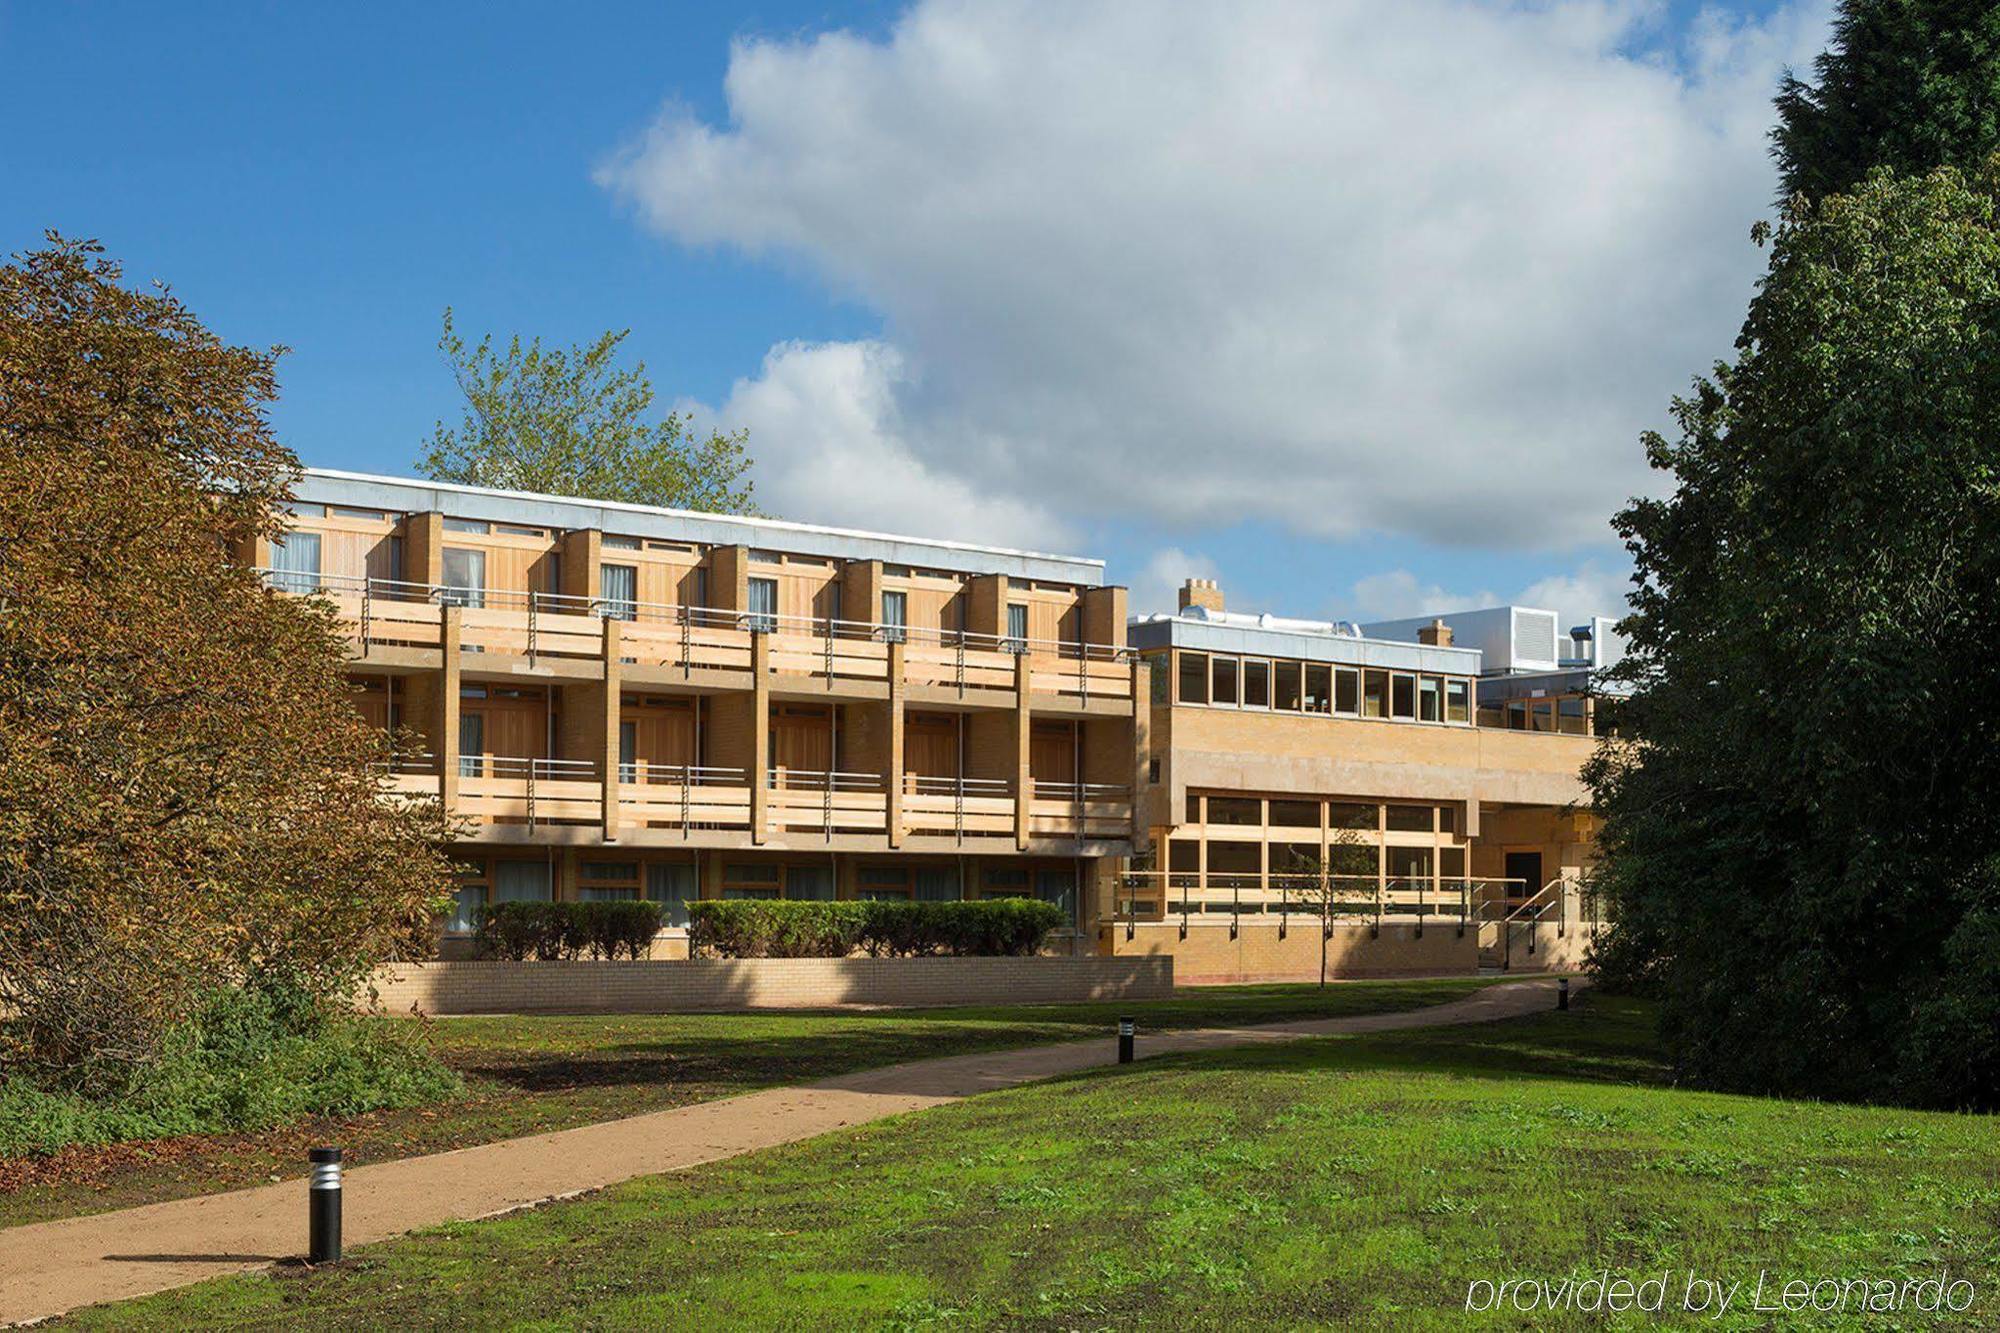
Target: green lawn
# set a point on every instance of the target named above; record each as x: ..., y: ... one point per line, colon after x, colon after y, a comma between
x: 1350, y: 1181
x: 529, y: 1074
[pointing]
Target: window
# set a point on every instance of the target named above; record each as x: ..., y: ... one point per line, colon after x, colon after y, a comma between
x: 618, y: 587
x: 611, y: 543
x: 1350, y: 814
x: 1058, y: 886
x: 468, y: 901
x: 1374, y: 694
x: 1542, y: 715
x: 1412, y: 865
x: 1256, y: 684
x: 515, y: 530
x: 297, y: 510
x: 607, y: 881
x: 1183, y: 856
x: 1222, y: 680
x: 471, y: 744
x: 521, y: 882
x: 1456, y: 707
x: 936, y: 884
x: 763, y: 605
x: 1153, y: 772
x: 1569, y: 716
x: 1448, y: 819
x: 1287, y: 696
x: 814, y: 882
x: 1236, y: 810
x: 1194, y: 678
x: 464, y: 577
x: 1236, y: 858
x: 895, y: 616
x: 1451, y: 863
x: 1402, y: 696
x: 672, y: 885
x: 467, y: 525
x: 628, y: 751
x: 749, y: 879
x: 1430, y: 700
x: 295, y: 562
x: 1017, y: 628
x: 1295, y: 814
x: 1319, y: 689
x: 1193, y: 808
x: 1411, y: 819
x: 1347, y: 691
x: 1517, y: 715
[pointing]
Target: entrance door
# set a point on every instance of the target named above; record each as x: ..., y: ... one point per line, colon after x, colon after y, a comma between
x: 1526, y: 867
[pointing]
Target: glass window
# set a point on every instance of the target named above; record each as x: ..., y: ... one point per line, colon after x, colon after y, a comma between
x: 1542, y: 715
x: 1222, y: 680
x: 814, y: 882
x: 673, y: 885
x: 763, y: 605
x: 618, y: 587
x: 1403, y: 696
x: 1350, y: 814
x: 1374, y: 694
x: 1057, y: 886
x: 468, y: 903
x: 1238, y: 810
x: 1451, y: 862
x: 467, y: 525
x: 1003, y: 882
x: 1194, y: 678
x: 300, y: 510
x: 471, y: 744
x: 607, y: 881
x: 1017, y: 628
x: 741, y: 891
x: 750, y: 872
x: 1235, y: 858
x: 1411, y: 818
x: 936, y: 884
x: 1569, y: 716
x: 1347, y: 691
x: 1256, y: 684
x: 611, y: 543
x: 295, y: 562
x: 1287, y: 694
x: 1430, y: 699
x: 521, y: 882
x: 1319, y: 689
x: 464, y: 577
x: 1193, y: 808
x: 628, y: 751
x: 895, y: 616
x: 1456, y: 705
x: 1295, y: 814
x: 1448, y: 818
x: 1517, y: 715
x: 1183, y: 856
x: 1409, y: 863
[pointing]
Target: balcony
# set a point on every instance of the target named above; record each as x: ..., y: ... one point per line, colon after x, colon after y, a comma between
x: 1358, y: 899
x: 828, y: 653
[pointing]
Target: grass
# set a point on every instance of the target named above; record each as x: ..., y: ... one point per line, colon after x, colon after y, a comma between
x: 1350, y: 1181
x: 526, y: 1075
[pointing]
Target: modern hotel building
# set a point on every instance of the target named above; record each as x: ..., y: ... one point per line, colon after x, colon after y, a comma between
x: 622, y: 701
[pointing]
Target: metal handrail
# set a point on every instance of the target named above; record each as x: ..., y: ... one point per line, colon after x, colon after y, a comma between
x: 644, y: 773
x: 805, y: 779
x: 923, y: 784
x: 521, y: 766
x: 1080, y: 791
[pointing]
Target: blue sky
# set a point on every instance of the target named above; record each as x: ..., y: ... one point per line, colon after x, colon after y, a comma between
x: 798, y: 254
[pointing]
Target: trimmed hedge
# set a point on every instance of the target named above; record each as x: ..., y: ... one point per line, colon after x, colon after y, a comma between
x: 754, y: 928
x: 551, y: 932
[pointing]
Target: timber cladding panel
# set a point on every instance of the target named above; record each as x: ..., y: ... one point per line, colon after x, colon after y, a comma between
x: 764, y: 983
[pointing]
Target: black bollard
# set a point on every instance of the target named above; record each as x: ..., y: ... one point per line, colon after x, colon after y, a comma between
x: 324, y: 1247
x: 1562, y: 993
x: 1126, y: 1027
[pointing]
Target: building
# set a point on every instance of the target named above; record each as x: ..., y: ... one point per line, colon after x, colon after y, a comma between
x: 623, y: 701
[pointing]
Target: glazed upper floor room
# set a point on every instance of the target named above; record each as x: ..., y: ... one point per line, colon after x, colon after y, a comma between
x: 537, y: 576
x: 1416, y: 671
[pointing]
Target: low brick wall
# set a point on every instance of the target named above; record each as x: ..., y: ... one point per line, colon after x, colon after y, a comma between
x: 764, y: 983
x: 1258, y: 953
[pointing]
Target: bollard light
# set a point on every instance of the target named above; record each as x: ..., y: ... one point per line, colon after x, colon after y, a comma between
x: 324, y: 1214
x: 1562, y: 993
x: 1126, y: 1027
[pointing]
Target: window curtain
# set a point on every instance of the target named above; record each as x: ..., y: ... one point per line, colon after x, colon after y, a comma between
x: 673, y: 886
x: 295, y: 562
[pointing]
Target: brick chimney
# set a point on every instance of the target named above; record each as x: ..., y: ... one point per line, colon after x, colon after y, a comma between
x: 1203, y: 593
x: 1437, y: 634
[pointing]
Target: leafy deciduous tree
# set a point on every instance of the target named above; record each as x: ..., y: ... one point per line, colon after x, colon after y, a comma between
x: 575, y: 423
x: 186, y: 793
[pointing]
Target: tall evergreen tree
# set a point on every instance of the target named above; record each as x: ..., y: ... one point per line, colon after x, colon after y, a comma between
x: 1906, y: 84
x: 1803, y: 841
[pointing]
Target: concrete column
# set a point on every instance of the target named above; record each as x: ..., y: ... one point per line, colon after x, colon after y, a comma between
x: 892, y: 776
x: 1103, y: 612
x: 580, y: 561
x: 612, y: 713
x: 1024, y: 788
x: 760, y: 736
x: 729, y: 578
x: 860, y: 591
x: 986, y: 605
x: 449, y: 630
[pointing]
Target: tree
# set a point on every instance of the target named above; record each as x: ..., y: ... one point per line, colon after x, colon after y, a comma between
x: 1801, y: 836
x: 575, y: 423
x: 186, y: 793
x: 1319, y: 882
x: 1905, y: 84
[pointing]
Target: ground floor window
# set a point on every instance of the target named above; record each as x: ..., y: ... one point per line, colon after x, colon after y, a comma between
x: 673, y: 885
x: 607, y: 881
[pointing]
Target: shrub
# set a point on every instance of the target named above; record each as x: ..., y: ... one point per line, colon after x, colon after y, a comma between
x: 256, y: 1056
x: 551, y: 932
x: 765, y: 929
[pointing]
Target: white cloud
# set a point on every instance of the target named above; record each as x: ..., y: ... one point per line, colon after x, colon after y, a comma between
x: 1396, y: 593
x: 1592, y: 590
x: 1157, y: 586
x: 1589, y: 590
x: 829, y: 441
x: 1425, y: 268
